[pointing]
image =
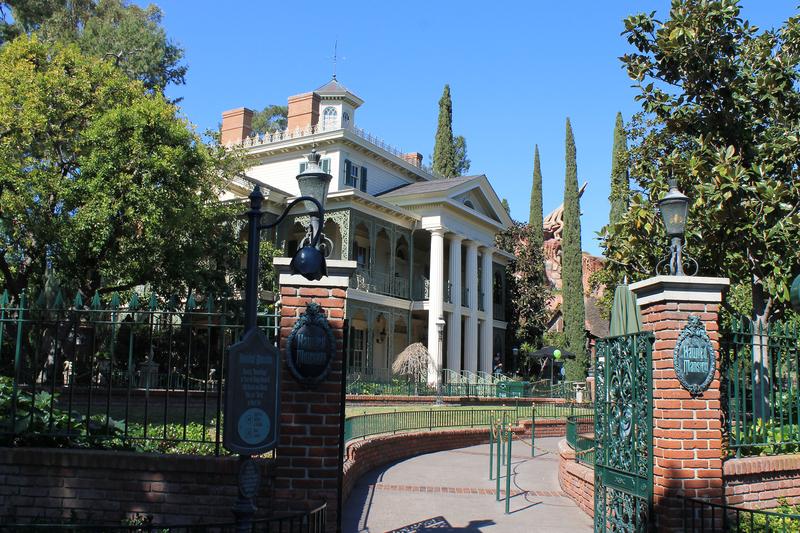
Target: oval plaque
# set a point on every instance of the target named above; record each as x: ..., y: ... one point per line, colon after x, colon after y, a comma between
x: 693, y: 359
x: 311, y: 347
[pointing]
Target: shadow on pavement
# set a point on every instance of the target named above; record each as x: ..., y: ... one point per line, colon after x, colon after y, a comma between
x: 439, y: 524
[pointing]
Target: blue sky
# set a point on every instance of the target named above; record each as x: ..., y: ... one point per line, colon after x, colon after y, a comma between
x: 516, y: 71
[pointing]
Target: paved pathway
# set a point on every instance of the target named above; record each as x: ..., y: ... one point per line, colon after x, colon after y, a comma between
x: 450, y: 492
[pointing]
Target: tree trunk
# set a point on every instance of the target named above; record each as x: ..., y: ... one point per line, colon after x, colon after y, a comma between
x: 761, y: 364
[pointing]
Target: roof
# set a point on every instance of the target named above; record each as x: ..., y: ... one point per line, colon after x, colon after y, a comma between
x: 422, y: 187
x: 333, y: 87
x: 595, y: 323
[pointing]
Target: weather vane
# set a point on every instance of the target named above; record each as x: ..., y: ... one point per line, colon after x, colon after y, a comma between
x: 336, y: 56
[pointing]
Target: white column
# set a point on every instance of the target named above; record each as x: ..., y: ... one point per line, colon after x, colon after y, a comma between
x: 436, y: 303
x: 454, y: 323
x: 471, y: 333
x: 487, y: 326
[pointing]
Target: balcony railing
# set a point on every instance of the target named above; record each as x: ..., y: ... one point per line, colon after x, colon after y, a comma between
x: 298, y: 133
x: 378, y: 283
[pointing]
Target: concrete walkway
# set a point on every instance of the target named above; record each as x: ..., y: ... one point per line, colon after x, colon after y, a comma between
x: 450, y: 492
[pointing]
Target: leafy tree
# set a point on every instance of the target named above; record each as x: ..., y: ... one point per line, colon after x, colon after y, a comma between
x: 536, y: 217
x: 572, y: 267
x: 506, y: 206
x: 270, y: 119
x: 105, y: 215
x: 620, y: 186
x: 528, y: 292
x: 449, y: 153
x: 129, y: 35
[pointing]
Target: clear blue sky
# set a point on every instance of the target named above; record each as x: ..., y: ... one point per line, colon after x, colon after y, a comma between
x: 516, y: 71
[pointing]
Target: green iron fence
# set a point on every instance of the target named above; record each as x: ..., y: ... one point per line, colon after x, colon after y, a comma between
x: 580, y: 437
x: 144, y: 374
x: 700, y: 516
x: 761, y: 392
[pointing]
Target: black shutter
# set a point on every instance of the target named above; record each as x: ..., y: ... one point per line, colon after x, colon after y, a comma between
x: 364, y: 179
x: 347, y: 165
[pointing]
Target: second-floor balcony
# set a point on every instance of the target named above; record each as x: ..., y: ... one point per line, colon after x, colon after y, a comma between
x: 380, y: 283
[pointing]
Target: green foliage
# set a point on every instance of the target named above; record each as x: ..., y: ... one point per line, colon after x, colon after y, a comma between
x: 126, y: 34
x: 620, y: 186
x: 536, y: 217
x: 506, y: 206
x: 572, y: 268
x: 449, y: 152
x: 755, y: 522
x: 528, y: 291
x: 721, y: 113
x: 105, y: 215
x: 271, y: 119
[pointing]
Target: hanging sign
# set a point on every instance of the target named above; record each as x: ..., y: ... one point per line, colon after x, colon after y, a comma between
x: 311, y: 347
x: 251, y: 395
x: 694, y: 360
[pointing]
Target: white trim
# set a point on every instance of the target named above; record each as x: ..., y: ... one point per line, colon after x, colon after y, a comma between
x: 680, y: 289
x: 379, y: 299
x: 339, y: 273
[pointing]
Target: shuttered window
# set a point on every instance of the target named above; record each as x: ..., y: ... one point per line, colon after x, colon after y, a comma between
x: 363, y: 179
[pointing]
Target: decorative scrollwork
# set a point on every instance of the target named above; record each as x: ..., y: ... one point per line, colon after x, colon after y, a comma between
x: 667, y: 266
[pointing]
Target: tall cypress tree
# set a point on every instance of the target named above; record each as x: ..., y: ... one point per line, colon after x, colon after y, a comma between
x: 620, y: 186
x: 572, y: 307
x: 444, y: 153
x: 536, y: 217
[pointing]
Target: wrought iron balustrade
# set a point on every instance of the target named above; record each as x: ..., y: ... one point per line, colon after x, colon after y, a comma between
x: 701, y: 516
x: 379, y: 283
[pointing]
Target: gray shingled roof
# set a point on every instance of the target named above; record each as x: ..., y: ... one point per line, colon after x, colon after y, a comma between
x: 424, y: 187
x: 333, y: 87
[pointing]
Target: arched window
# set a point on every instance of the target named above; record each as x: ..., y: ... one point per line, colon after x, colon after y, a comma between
x: 329, y: 118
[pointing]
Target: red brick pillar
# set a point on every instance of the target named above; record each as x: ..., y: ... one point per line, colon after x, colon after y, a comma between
x: 308, y: 454
x: 687, y: 430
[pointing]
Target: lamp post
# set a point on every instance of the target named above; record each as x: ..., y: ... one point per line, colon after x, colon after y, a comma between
x: 309, y: 262
x: 440, y: 324
x: 674, y: 207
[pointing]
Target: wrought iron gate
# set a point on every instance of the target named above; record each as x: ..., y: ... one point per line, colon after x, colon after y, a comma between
x: 623, y: 479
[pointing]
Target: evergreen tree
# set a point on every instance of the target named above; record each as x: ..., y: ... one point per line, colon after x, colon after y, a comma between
x: 444, y: 154
x: 506, y: 206
x: 536, y: 217
x: 620, y: 188
x: 572, y: 268
x: 449, y: 152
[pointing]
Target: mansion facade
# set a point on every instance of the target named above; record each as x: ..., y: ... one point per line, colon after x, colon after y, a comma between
x: 423, y: 245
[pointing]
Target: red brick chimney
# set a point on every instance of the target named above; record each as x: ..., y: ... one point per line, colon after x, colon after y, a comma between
x: 415, y: 158
x: 303, y: 111
x: 237, y: 125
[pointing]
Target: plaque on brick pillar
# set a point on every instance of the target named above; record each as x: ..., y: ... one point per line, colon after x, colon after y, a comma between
x: 694, y: 360
x: 311, y: 347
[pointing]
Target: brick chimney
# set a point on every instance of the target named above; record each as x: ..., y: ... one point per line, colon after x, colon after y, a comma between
x: 415, y: 158
x: 303, y: 111
x: 237, y: 125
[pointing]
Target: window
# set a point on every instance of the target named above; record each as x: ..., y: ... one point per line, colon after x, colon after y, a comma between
x: 357, y: 344
x: 324, y: 164
x: 345, y: 118
x: 363, y: 179
x: 329, y: 118
x: 361, y: 256
x: 350, y: 174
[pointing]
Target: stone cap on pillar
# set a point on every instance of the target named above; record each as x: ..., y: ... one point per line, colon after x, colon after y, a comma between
x: 679, y: 289
x: 339, y: 272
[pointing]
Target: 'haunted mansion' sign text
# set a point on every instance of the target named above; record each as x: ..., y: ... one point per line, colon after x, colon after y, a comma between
x: 311, y: 347
x: 251, y: 395
x: 694, y: 357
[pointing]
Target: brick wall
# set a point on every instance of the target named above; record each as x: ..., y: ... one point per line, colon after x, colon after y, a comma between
x: 759, y: 482
x: 109, y: 486
x: 576, y: 480
x: 307, y: 457
x: 687, y: 431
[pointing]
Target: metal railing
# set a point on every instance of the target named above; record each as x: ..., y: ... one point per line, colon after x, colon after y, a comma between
x: 299, y: 133
x: 146, y: 374
x: 704, y: 516
x: 312, y: 521
x: 379, y: 283
x: 580, y: 437
x: 761, y: 387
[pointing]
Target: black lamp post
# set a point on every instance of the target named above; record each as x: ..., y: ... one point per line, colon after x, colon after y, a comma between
x: 674, y: 207
x: 309, y: 262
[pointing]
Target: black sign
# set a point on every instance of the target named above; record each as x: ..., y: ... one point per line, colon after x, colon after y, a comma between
x: 251, y: 395
x: 694, y: 359
x: 311, y: 347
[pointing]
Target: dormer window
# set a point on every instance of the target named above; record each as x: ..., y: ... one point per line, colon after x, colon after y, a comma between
x: 345, y: 118
x: 329, y: 118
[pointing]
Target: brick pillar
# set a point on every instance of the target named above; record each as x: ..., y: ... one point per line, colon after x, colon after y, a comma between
x: 308, y: 454
x: 687, y: 431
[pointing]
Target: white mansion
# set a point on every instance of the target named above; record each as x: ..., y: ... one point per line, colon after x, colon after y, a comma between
x: 423, y: 245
